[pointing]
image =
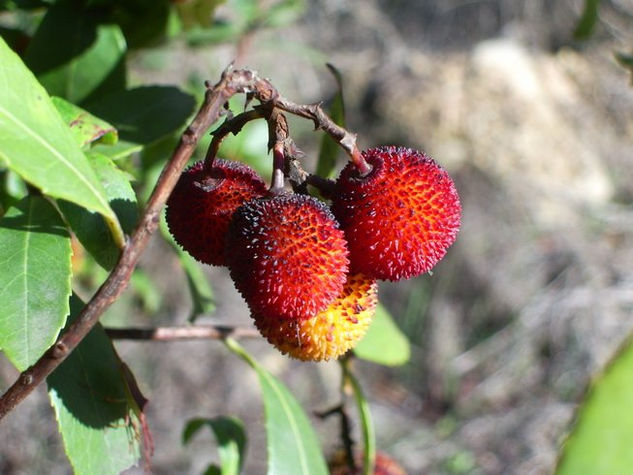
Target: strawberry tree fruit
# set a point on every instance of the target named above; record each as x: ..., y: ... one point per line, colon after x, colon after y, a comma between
x: 399, y: 218
x: 287, y: 255
x: 201, y: 205
x: 331, y: 332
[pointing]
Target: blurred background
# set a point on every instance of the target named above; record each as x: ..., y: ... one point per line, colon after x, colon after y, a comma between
x: 535, y: 125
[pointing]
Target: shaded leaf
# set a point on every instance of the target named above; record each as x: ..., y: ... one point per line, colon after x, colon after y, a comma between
x: 74, y: 56
x: 85, y: 127
x: 144, y: 114
x: 199, y: 286
x: 384, y: 343
x: 293, y: 447
x: 588, y: 20
x: 90, y: 228
x: 12, y: 190
x: 231, y: 437
x: 146, y: 291
x: 37, y: 144
x: 626, y: 61
x: 602, y: 438
x: 144, y: 22
x: 330, y: 149
x: 35, y: 272
x: 198, y: 12
x: 91, y: 401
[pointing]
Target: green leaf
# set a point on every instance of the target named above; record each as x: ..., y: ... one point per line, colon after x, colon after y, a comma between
x: 146, y: 291
x: 37, y: 144
x: 384, y: 343
x: 198, y: 12
x: 626, y: 61
x: 366, y: 421
x: 588, y: 20
x: 117, y: 151
x: 35, y: 272
x: 12, y: 190
x: 74, y: 57
x: 90, y: 228
x: 145, y: 114
x: 602, y: 438
x: 284, y: 12
x: 89, y: 395
x: 85, y: 127
x: 329, y: 148
x: 293, y: 447
x: 199, y: 287
x: 231, y: 437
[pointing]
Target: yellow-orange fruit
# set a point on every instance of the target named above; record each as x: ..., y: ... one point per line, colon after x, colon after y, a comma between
x: 401, y: 217
x: 331, y: 332
x: 201, y: 205
x: 287, y: 255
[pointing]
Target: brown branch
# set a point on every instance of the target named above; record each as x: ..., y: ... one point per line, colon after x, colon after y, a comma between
x: 233, y: 125
x: 321, y: 120
x: 232, y: 82
x: 192, y: 332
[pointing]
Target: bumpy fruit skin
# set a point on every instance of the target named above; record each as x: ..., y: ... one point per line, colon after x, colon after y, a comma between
x: 201, y: 205
x: 401, y: 217
x: 287, y: 255
x: 331, y: 332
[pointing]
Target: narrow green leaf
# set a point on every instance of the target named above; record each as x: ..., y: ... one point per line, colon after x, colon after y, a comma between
x: 199, y: 287
x: 626, y: 61
x: 146, y: 291
x: 37, y: 144
x: 74, y: 57
x: 35, y: 272
x: 329, y: 148
x: 144, y: 114
x: 86, y: 128
x: 293, y: 447
x: 366, y: 421
x: 231, y: 437
x: 198, y: 12
x: 90, y: 228
x: 117, y: 151
x: 588, y: 20
x: 88, y: 392
x: 384, y: 343
x: 284, y: 13
x: 602, y: 438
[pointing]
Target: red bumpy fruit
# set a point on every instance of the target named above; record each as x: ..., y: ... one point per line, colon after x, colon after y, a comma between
x: 201, y: 205
x: 287, y: 255
x: 401, y: 217
x: 331, y: 332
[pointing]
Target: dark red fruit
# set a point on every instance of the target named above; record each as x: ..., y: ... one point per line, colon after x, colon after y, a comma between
x: 201, y: 205
x: 401, y: 217
x: 287, y: 255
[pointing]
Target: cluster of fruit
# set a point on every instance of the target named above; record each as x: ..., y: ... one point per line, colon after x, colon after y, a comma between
x: 306, y: 269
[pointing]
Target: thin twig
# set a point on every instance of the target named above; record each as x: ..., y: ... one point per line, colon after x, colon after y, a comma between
x: 233, y: 125
x: 346, y: 433
x: 192, y: 332
x: 321, y: 120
